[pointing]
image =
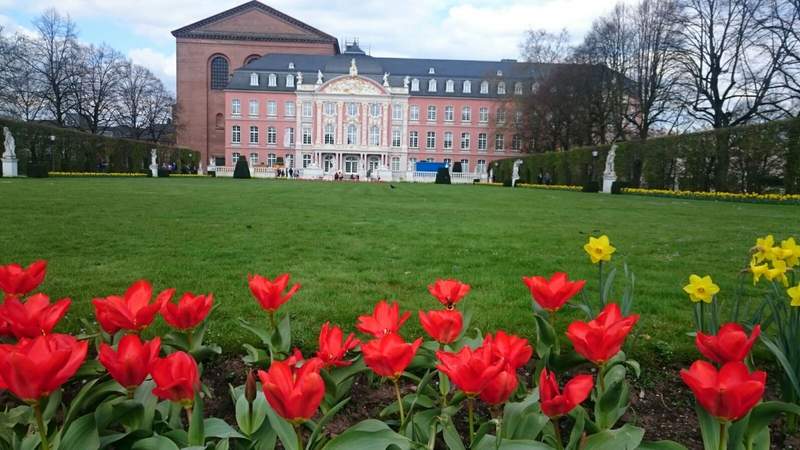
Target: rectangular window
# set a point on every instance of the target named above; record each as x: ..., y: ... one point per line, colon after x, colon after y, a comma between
x: 482, y: 142
x: 466, y: 114
x: 374, y: 109
x: 288, y: 109
x: 352, y: 109
x: 328, y: 136
x: 432, y: 113
x: 329, y: 108
x: 465, y: 138
x: 272, y: 135
x: 448, y: 113
x: 501, y: 116
x: 272, y: 108
x: 306, y: 161
x: 236, y: 107
x: 236, y: 134
x: 288, y: 137
x: 254, y: 107
x: 413, y: 139
x: 516, y: 142
x: 395, y: 163
x: 375, y: 136
x: 448, y: 140
x: 307, y: 109
x: 397, y: 112
x: 253, y: 159
x: 484, y: 115
x: 272, y: 159
x: 518, y: 117
x: 480, y: 167
x: 396, y: 137
x: 499, y: 142
x: 235, y: 157
x: 306, y: 135
x: 254, y: 135
x: 413, y: 113
x: 465, y: 165
x: 430, y: 141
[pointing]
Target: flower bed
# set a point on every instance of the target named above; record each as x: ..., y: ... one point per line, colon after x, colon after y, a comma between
x: 552, y: 187
x: 95, y: 174
x: 723, y: 196
x: 570, y: 389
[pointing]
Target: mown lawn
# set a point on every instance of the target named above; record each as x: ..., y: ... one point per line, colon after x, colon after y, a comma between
x: 353, y: 244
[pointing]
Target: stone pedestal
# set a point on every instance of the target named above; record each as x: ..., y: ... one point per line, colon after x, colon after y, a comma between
x: 608, y: 181
x: 154, y: 170
x: 312, y: 173
x: 10, y: 167
x: 384, y: 174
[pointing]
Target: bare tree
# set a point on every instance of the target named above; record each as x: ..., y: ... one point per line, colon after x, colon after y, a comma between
x: 784, y: 23
x: 97, y: 86
x: 730, y: 61
x: 21, y: 87
x: 542, y: 46
x: 137, y: 84
x: 158, y: 112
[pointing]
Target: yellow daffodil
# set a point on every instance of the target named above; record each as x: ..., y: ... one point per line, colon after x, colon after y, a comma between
x: 794, y: 294
x: 777, y: 272
x: 791, y: 252
x: 758, y: 270
x: 701, y: 288
x: 599, y: 249
x: 763, y: 249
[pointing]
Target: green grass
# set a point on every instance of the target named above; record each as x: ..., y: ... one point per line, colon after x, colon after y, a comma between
x: 353, y: 244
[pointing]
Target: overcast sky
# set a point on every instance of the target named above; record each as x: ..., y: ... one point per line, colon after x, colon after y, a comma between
x: 458, y: 29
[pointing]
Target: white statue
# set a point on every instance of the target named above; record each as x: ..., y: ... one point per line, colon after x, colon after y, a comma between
x: 515, y: 173
x: 10, y: 145
x: 153, y: 163
x: 609, y: 172
x: 299, y: 78
x: 353, y: 68
x: 319, y: 77
x: 200, y: 168
x: 212, y: 162
x: 386, y: 79
x: 406, y: 81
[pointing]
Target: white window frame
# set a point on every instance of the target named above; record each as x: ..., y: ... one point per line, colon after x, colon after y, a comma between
x: 450, y: 86
x: 430, y: 140
x: 352, y: 109
x: 288, y: 137
x: 480, y: 166
x: 236, y: 134
x: 484, y: 87
x: 517, y: 88
x: 431, y: 113
x: 501, y: 88
x: 253, y: 135
x: 464, y: 165
x: 329, y: 108
x: 253, y: 108
x: 289, y: 81
x: 329, y: 134
x: 395, y: 164
x: 466, y: 114
x: 449, y: 113
x: 236, y: 107
x: 501, y: 116
x: 483, y: 141
x: 396, y: 137
x: 253, y: 158
x: 375, y: 136
x: 253, y: 79
x: 307, y: 135
x: 289, y: 109
x: 397, y: 112
x: 273, y: 80
x: 375, y: 109
x: 415, y: 85
x: 306, y: 160
x: 499, y: 142
x: 483, y: 115
x: 308, y: 110
x: 272, y: 108
x: 466, y: 87
x: 413, y: 139
x: 272, y: 159
x: 413, y: 114
x: 447, y: 142
x: 272, y: 135
x: 432, y: 85
x: 235, y: 157
x: 352, y: 134
x: 465, y: 141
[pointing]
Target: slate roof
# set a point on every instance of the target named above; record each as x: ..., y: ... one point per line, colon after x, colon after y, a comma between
x: 398, y: 68
x: 314, y: 35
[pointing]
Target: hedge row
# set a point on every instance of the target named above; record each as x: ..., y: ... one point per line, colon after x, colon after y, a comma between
x: 77, y: 151
x: 756, y: 158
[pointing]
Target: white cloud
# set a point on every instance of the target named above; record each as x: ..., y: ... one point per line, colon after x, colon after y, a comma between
x: 162, y: 65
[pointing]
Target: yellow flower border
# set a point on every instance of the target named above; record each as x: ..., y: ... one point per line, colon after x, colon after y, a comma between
x: 96, y: 174
x: 722, y: 196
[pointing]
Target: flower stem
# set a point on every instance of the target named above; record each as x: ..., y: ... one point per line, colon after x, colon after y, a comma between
x: 299, y: 437
x: 37, y: 410
x: 552, y: 317
x: 189, y: 340
x: 399, y: 403
x: 557, y: 430
x: 272, y: 319
x: 188, y: 410
x: 600, y: 267
x: 723, y: 435
x: 471, y: 418
x: 131, y: 392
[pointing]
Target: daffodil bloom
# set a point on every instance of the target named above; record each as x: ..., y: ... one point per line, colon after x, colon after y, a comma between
x: 701, y: 288
x: 599, y: 249
x: 794, y: 294
x: 791, y: 252
x: 758, y: 270
x: 777, y: 272
x: 763, y: 249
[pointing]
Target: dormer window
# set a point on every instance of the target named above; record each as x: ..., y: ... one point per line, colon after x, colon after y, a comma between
x: 291, y: 66
x: 501, y: 88
x: 254, y: 79
x: 484, y: 87
x: 499, y: 73
x: 467, y: 87
x: 290, y: 80
x: 517, y: 88
x: 432, y: 85
x: 431, y: 71
x: 415, y: 85
x: 273, y: 80
x: 449, y: 86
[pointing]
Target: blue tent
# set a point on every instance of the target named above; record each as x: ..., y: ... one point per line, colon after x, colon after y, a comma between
x: 424, y: 166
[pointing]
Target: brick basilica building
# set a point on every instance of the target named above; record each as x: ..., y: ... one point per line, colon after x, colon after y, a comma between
x: 255, y: 83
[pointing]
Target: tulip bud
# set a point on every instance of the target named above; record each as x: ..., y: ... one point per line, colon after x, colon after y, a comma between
x: 250, y: 388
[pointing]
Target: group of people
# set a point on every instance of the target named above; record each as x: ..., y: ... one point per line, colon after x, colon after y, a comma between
x: 339, y: 176
x: 287, y: 173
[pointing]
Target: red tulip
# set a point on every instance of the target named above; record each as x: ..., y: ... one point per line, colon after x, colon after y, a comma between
x: 176, y: 377
x: 269, y: 293
x: 470, y: 370
x: 555, y: 403
x: 514, y: 351
x: 448, y: 292
x: 389, y: 355
x: 295, y: 394
x: 602, y: 338
x: 132, y: 360
x: 331, y: 347
x: 190, y: 311
x: 728, y: 394
x: 133, y: 312
x: 499, y: 389
x: 35, y: 317
x: 443, y: 326
x: 33, y: 368
x: 554, y: 293
x: 730, y: 344
x: 384, y: 320
x: 16, y: 280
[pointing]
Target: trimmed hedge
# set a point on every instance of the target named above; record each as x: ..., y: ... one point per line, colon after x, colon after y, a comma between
x: 755, y: 158
x: 77, y: 151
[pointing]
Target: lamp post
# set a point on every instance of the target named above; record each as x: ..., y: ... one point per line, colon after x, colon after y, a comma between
x: 52, y: 155
x: 595, y: 153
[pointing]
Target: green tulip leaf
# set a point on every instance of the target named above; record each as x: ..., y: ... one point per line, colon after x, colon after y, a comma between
x: 765, y: 413
x: 369, y: 435
x: 155, y: 443
x: 661, y: 445
x: 626, y: 437
x: 283, y: 429
x: 81, y: 434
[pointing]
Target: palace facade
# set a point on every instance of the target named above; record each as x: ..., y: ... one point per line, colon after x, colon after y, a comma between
x: 254, y: 83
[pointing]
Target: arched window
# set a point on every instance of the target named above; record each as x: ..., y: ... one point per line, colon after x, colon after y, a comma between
x: 414, y: 85
x: 449, y: 86
x: 374, y: 136
x: 432, y: 85
x: 219, y: 72
x: 329, y: 139
x: 273, y: 80
x: 517, y: 88
x: 467, y: 87
x: 253, y: 79
x: 484, y: 87
x: 290, y: 80
x: 352, y: 135
x: 501, y: 88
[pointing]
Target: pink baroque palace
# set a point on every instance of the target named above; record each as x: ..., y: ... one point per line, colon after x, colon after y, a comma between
x: 296, y: 101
